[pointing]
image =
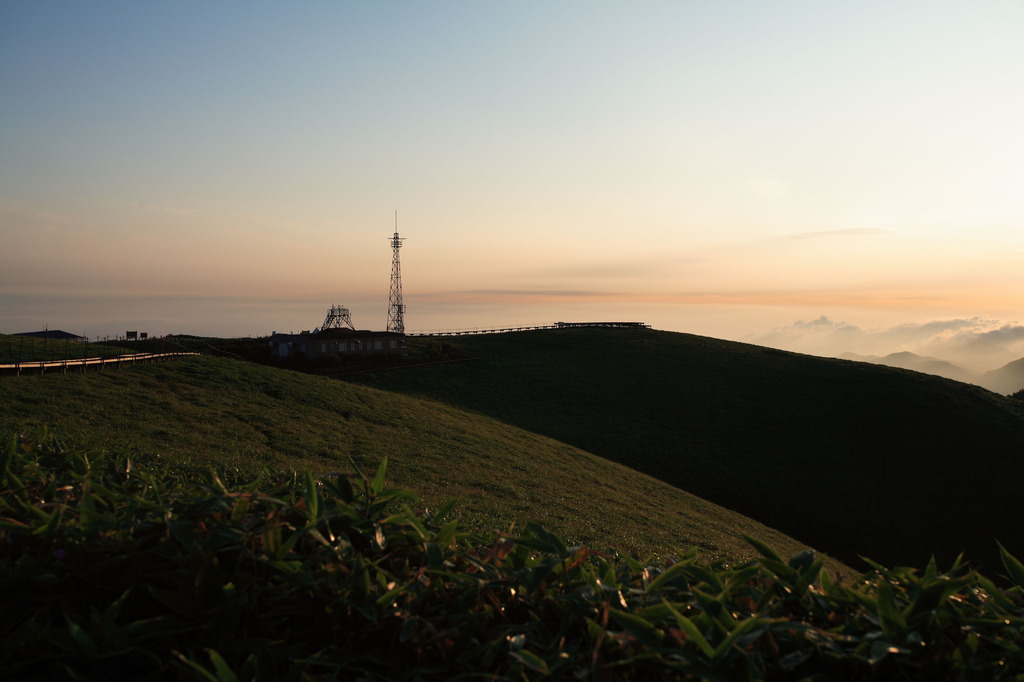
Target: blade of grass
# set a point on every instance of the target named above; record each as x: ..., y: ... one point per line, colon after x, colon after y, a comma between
x: 1013, y: 566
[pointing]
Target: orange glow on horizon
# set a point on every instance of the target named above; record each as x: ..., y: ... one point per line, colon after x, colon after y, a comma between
x: 782, y: 298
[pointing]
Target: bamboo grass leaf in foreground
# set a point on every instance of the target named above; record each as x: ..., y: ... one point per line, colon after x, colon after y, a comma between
x: 155, y: 572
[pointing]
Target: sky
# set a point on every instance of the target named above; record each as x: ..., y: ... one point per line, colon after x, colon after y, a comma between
x: 817, y: 176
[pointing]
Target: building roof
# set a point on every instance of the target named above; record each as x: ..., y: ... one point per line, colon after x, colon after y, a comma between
x: 52, y: 334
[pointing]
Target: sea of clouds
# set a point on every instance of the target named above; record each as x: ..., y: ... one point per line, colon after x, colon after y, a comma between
x: 977, y: 343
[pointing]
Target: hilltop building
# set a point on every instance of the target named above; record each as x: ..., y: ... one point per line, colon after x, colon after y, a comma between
x: 337, y: 342
x: 338, y: 337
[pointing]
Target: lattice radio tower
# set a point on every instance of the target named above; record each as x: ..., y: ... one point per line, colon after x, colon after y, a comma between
x: 396, y: 309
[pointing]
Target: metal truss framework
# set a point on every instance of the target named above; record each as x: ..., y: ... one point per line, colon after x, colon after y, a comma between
x: 337, y: 318
x: 396, y: 308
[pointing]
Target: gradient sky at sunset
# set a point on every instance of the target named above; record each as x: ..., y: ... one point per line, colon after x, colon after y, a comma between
x: 735, y: 169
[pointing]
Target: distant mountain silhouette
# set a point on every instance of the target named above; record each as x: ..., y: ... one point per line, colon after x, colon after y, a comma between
x: 920, y: 363
x: 1007, y: 379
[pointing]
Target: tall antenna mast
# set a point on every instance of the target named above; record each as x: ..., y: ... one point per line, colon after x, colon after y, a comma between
x: 396, y: 309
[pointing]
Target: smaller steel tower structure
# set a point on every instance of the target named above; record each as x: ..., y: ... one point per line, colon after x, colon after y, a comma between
x: 396, y: 309
x: 337, y: 318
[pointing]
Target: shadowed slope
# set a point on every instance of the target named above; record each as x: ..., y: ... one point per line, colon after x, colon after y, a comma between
x: 207, y: 411
x: 854, y: 458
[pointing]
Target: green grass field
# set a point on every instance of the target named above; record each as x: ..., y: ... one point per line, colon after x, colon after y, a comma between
x: 211, y: 411
x: 125, y: 559
x: 852, y: 458
x: 15, y: 349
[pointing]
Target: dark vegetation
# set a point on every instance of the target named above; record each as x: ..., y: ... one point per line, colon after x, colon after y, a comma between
x: 852, y: 458
x: 116, y: 568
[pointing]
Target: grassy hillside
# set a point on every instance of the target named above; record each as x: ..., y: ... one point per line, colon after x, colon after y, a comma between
x: 15, y: 349
x: 853, y: 458
x: 210, y: 411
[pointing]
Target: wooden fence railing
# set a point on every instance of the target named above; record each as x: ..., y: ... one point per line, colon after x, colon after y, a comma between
x: 502, y: 330
x: 82, y: 364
